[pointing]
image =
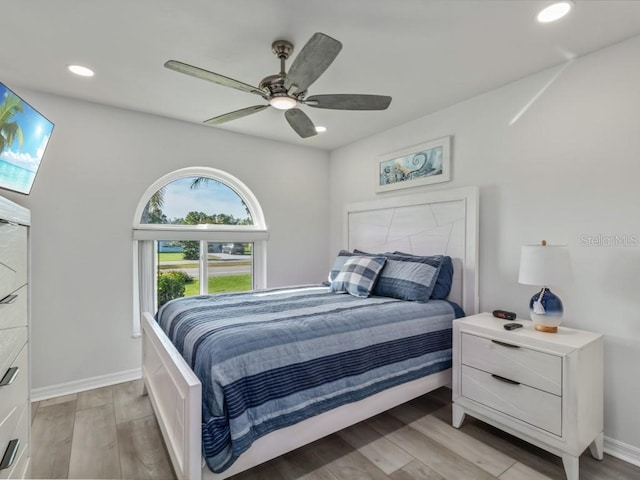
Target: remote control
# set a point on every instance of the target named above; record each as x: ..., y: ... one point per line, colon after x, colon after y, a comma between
x: 503, y: 314
x: 512, y: 326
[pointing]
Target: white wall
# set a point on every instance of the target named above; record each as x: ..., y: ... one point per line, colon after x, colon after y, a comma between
x: 568, y: 167
x: 98, y: 164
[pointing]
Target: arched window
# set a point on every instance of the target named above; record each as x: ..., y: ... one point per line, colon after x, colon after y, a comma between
x: 196, y: 231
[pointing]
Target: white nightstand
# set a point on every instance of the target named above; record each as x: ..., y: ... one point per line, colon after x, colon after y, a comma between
x: 546, y: 388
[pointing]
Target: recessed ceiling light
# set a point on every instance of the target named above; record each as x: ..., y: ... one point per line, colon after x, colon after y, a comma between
x: 321, y: 129
x: 81, y: 70
x: 554, y: 12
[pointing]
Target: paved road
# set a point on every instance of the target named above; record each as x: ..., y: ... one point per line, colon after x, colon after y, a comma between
x: 221, y: 257
x: 220, y: 269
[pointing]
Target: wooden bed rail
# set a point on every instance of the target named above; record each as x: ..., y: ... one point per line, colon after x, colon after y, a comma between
x: 175, y: 393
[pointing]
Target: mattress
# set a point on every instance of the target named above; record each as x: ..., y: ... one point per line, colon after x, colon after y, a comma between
x: 269, y: 359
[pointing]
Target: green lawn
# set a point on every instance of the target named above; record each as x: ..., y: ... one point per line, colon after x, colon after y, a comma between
x: 228, y: 283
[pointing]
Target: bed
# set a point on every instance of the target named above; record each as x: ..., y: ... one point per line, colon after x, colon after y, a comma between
x: 438, y: 223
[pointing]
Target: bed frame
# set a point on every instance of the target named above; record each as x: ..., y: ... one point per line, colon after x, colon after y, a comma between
x: 444, y: 221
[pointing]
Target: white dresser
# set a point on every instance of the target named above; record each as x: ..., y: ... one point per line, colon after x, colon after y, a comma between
x: 546, y: 388
x: 15, y: 409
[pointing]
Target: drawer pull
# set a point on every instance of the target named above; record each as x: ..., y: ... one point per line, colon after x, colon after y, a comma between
x: 505, y: 380
x: 10, y: 454
x: 8, y: 299
x: 505, y: 344
x: 9, y: 377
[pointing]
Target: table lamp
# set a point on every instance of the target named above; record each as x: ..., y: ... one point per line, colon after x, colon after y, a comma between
x: 545, y: 265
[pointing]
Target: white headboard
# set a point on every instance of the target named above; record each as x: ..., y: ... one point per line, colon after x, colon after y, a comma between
x: 441, y: 222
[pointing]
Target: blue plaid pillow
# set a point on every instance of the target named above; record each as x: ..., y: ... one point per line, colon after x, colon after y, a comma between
x: 358, y: 275
x: 339, y: 262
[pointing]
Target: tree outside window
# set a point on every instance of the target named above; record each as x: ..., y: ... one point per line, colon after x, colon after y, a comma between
x: 193, y: 267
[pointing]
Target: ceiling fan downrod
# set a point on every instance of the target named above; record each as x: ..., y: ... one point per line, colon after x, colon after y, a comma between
x: 282, y: 50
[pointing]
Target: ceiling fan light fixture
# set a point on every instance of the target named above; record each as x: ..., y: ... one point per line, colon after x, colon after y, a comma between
x: 320, y: 129
x: 555, y: 11
x: 283, y: 102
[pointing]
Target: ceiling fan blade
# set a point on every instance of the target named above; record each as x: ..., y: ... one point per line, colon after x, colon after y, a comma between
x: 312, y: 61
x: 197, y: 72
x: 300, y: 122
x: 243, y: 112
x: 349, y: 101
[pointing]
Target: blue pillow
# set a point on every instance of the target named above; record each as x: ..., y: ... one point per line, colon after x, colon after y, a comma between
x: 358, y: 275
x: 338, y: 263
x: 444, y: 281
x: 407, y: 277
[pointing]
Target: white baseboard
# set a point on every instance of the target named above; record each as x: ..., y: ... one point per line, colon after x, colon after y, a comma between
x: 623, y: 451
x: 76, y: 386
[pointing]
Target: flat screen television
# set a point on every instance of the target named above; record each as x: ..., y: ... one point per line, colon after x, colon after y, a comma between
x: 24, y: 134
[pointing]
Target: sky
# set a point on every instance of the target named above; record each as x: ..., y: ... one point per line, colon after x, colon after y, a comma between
x: 36, y: 130
x: 211, y: 197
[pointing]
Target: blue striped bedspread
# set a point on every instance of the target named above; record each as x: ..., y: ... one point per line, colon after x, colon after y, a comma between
x: 269, y: 359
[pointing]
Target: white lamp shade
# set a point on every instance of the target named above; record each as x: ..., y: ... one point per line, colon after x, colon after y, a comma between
x: 544, y: 265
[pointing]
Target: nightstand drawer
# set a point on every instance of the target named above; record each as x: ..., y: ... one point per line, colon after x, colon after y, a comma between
x: 536, y: 369
x: 535, y: 407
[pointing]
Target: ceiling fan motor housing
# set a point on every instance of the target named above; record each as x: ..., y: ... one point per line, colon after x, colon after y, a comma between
x: 273, y: 86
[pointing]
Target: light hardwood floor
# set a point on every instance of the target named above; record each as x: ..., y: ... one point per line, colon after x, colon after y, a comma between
x: 111, y: 433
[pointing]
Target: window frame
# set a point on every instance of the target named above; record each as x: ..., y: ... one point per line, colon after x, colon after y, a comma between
x: 145, y: 236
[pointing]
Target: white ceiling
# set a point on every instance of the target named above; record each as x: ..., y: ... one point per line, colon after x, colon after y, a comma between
x: 426, y: 54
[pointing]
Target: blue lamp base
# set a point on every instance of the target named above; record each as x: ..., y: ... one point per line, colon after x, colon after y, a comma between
x: 546, y: 311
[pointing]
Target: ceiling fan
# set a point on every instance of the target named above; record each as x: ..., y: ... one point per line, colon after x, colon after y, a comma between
x: 287, y: 90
